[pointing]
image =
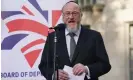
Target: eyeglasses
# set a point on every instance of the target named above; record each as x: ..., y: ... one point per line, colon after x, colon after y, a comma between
x: 69, y: 13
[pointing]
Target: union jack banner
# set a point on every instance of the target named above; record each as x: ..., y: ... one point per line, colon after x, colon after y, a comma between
x: 23, y: 37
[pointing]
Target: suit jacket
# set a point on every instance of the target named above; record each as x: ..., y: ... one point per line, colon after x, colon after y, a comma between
x: 90, y: 51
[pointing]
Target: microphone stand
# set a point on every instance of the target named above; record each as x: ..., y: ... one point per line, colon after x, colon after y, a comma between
x: 55, y: 59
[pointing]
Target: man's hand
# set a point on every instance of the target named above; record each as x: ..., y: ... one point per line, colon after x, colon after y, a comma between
x: 62, y: 75
x: 79, y: 68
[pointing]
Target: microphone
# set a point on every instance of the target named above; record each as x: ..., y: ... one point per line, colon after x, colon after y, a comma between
x: 59, y: 26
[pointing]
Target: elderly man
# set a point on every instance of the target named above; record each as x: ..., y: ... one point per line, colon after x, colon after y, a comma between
x: 79, y: 47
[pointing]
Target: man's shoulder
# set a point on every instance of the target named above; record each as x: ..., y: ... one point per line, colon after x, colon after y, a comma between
x: 93, y: 34
x: 90, y: 31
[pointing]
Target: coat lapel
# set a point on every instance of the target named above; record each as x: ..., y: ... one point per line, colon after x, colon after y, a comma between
x: 80, y: 42
x: 63, y: 46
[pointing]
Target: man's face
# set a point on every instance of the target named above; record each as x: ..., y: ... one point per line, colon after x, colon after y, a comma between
x: 72, y: 15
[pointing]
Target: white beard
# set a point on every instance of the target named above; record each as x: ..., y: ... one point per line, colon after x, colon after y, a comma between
x: 74, y: 30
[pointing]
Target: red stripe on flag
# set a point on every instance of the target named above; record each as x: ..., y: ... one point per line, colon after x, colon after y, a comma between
x: 27, y: 10
x: 32, y: 56
x: 27, y: 25
x: 55, y: 16
x: 36, y: 42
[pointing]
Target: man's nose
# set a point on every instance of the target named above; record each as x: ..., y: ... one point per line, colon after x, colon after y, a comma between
x: 71, y: 16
